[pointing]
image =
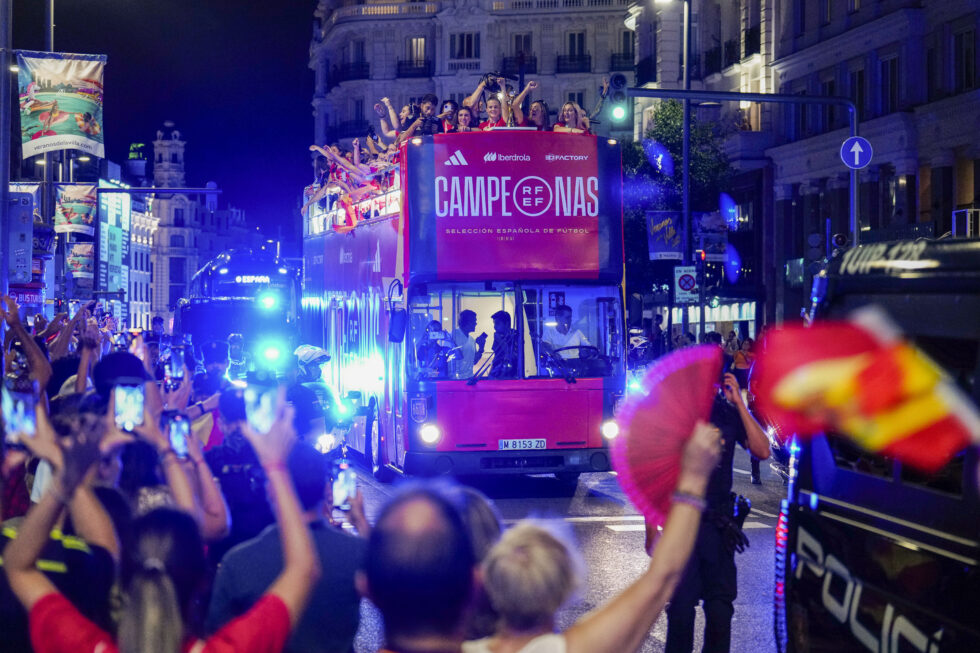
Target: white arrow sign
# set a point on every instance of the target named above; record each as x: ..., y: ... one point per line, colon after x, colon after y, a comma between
x: 856, y: 150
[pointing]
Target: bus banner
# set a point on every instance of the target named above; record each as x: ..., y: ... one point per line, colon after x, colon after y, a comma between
x: 516, y: 204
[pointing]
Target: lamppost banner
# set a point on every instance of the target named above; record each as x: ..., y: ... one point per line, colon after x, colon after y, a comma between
x: 60, y: 102
x: 74, y: 208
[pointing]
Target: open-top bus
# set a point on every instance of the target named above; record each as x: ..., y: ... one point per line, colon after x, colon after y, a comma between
x: 515, y: 221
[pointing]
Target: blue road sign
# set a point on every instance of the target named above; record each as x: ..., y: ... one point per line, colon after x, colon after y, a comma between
x: 856, y: 152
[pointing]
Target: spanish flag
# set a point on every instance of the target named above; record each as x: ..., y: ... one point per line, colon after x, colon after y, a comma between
x: 863, y: 380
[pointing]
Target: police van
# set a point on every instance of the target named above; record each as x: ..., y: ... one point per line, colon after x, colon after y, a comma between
x: 870, y: 554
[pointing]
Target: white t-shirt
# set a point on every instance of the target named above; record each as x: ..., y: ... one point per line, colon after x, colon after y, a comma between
x: 462, y: 365
x: 547, y: 643
x: 557, y: 340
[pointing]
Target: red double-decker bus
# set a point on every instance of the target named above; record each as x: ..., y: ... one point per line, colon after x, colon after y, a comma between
x: 526, y: 225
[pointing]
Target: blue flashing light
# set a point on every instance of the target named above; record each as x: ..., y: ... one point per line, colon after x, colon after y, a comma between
x: 659, y: 157
x: 814, y: 502
x: 283, y: 271
x: 635, y: 386
x: 733, y: 263
x: 729, y: 210
x: 268, y: 301
x: 223, y: 271
x: 271, y: 351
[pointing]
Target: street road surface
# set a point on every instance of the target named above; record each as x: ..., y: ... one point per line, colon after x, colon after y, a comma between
x: 609, y: 532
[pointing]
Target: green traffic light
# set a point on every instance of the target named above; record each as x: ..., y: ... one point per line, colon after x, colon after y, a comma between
x: 619, y: 112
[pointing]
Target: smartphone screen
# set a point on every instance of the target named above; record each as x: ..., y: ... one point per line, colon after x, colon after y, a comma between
x: 260, y: 407
x: 178, y: 430
x: 129, y: 406
x: 174, y: 367
x: 344, y: 486
x: 19, y: 420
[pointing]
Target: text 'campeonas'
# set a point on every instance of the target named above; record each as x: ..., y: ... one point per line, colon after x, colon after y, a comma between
x: 477, y: 197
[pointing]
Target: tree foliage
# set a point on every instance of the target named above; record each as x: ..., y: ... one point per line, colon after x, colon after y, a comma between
x: 653, y: 174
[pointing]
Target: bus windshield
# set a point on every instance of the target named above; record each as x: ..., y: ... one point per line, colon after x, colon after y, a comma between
x: 515, y: 331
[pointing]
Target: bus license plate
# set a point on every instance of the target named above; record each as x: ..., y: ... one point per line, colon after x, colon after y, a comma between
x: 516, y: 445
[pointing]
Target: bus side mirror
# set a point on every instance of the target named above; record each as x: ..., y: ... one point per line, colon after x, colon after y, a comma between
x: 397, y: 323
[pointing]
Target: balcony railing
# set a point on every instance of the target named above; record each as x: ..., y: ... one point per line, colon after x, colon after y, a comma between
x: 574, y: 63
x: 386, y: 10
x: 415, y: 68
x: 712, y: 61
x: 464, y: 64
x: 732, y: 54
x: 753, y: 42
x: 348, y: 129
x: 531, y: 5
x: 511, y: 66
x: 621, y: 61
x: 646, y: 71
x: 356, y: 70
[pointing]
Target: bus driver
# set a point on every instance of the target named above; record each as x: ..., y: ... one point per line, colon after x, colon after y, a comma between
x: 562, y: 335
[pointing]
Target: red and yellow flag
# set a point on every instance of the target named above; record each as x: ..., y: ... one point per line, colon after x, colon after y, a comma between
x: 865, y: 383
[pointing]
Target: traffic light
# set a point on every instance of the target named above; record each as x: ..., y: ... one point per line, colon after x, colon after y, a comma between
x: 620, y: 109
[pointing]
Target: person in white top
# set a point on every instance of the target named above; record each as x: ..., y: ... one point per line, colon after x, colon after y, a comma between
x: 562, y: 335
x: 467, y: 349
x: 530, y: 573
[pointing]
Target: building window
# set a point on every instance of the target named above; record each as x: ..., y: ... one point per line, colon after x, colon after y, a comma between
x: 799, y: 17
x: 578, y: 97
x: 465, y: 45
x: 173, y: 157
x: 576, y: 44
x: 416, y: 48
x: 357, y: 51
x: 357, y: 109
x: 857, y: 92
x: 178, y: 270
x: 826, y: 11
x: 889, y: 86
x: 176, y: 292
x: 626, y: 42
x: 853, y: 5
x: 828, y: 88
x: 522, y: 44
x: 965, y: 60
x: 176, y: 241
x: 934, y: 82
x: 802, y: 117
x: 178, y: 217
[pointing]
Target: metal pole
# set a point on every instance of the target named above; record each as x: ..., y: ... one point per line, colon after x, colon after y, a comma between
x: 6, y: 31
x: 686, y: 150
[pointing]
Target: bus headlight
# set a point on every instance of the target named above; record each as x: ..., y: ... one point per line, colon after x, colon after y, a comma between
x: 609, y: 429
x: 430, y: 433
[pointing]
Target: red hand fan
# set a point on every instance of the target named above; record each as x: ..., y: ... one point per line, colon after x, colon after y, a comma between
x: 657, y: 422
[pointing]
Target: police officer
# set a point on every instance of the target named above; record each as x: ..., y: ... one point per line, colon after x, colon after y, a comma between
x: 710, y: 574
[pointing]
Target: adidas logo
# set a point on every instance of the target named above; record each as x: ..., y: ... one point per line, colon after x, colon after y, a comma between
x: 457, y: 159
x: 490, y: 157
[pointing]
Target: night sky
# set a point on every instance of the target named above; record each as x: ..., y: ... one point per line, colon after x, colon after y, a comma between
x: 232, y: 75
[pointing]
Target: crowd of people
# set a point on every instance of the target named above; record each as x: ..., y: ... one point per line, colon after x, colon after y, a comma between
x: 138, y: 542
x: 343, y: 177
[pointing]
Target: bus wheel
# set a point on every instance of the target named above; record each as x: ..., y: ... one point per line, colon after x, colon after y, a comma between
x: 568, y: 478
x: 373, y: 453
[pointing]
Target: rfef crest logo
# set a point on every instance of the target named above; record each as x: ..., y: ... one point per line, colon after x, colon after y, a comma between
x: 419, y: 409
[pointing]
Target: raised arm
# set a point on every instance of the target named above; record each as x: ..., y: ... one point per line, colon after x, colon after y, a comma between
x: 621, y: 624
x: 519, y: 100
x: 20, y: 556
x: 474, y: 98
x: 216, y: 520
x: 173, y: 471
x: 597, y: 109
x: 301, y: 566
x: 756, y: 440
x: 40, y: 367
x: 392, y: 115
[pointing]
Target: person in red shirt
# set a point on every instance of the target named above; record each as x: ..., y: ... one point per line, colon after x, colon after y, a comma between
x: 164, y: 566
x: 465, y: 122
x: 495, y: 117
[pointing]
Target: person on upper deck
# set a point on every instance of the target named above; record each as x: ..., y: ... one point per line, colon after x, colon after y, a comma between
x: 571, y: 119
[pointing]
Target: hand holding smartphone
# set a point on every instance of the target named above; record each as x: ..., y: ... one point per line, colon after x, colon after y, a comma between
x: 178, y: 430
x: 344, y: 486
x: 260, y: 407
x: 19, y: 418
x: 129, y: 401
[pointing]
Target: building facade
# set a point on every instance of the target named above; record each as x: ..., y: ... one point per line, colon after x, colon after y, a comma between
x: 362, y: 52
x: 190, y: 230
x: 143, y: 230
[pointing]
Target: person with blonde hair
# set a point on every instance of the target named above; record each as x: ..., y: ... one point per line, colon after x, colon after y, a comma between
x: 530, y: 573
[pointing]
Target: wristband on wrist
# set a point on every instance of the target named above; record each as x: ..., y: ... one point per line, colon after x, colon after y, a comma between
x: 275, y: 466
x: 168, y: 450
x: 690, y: 499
